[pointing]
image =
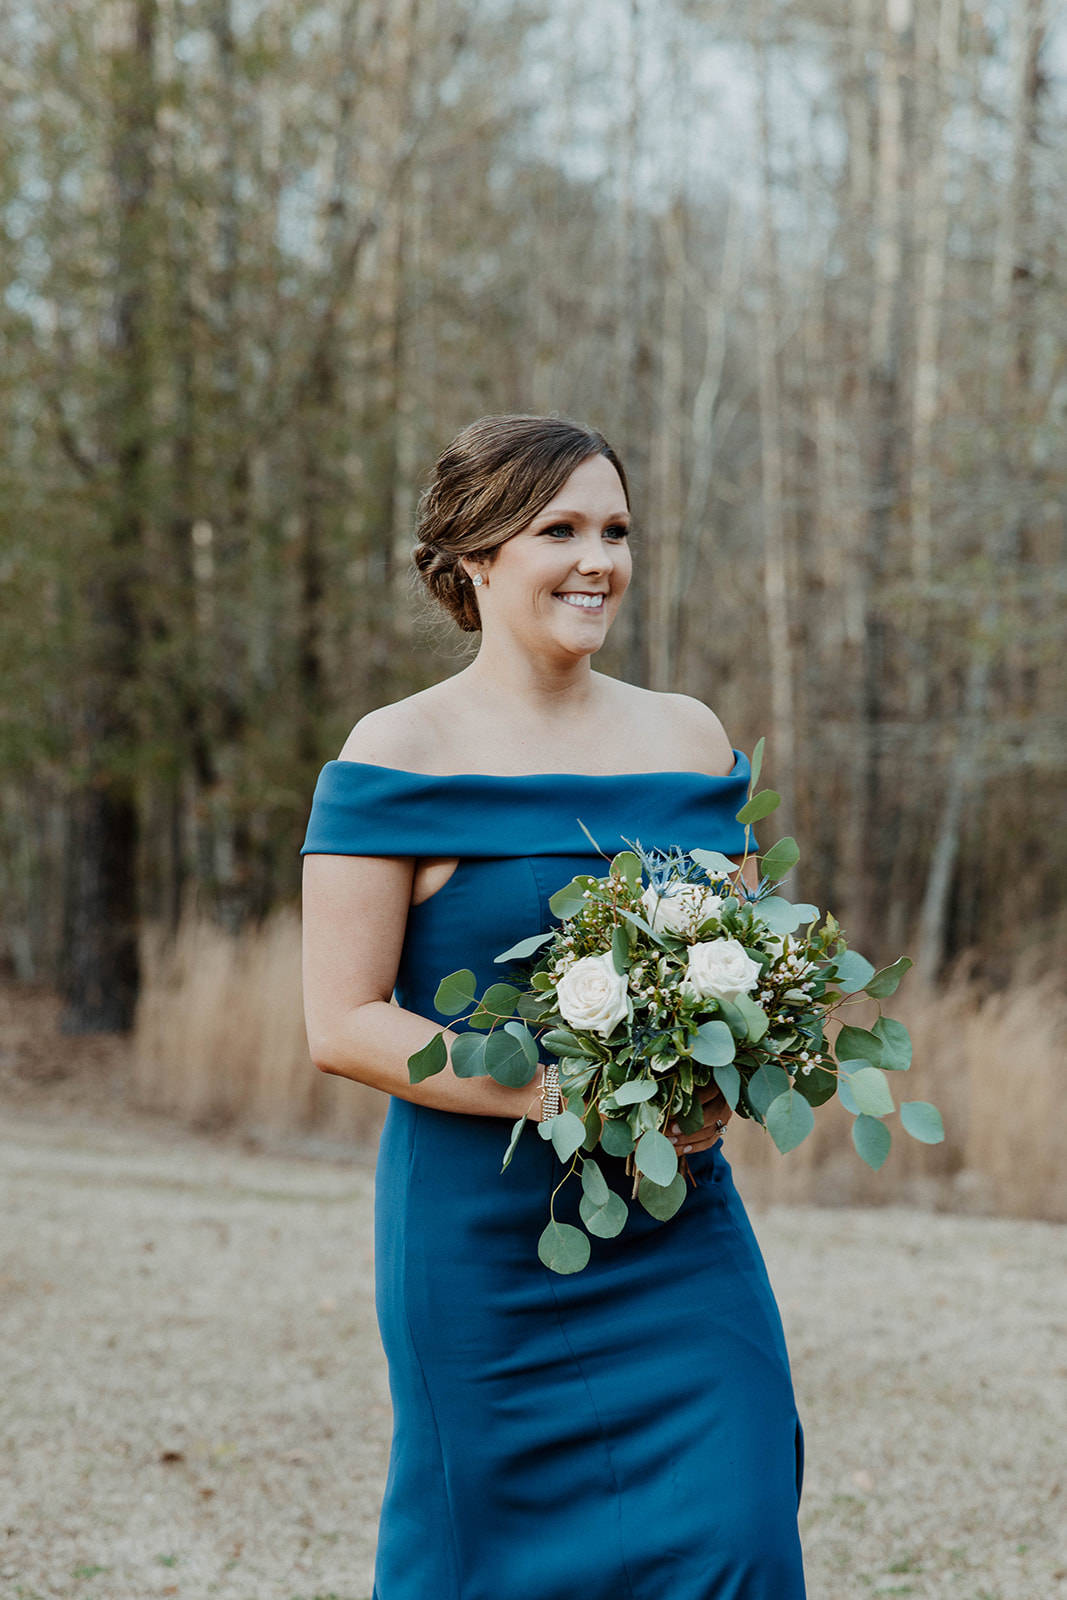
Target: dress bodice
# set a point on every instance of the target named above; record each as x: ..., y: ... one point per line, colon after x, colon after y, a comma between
x: 517, y: 839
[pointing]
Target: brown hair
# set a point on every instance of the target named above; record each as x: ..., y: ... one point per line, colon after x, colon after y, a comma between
x: 487, y: 485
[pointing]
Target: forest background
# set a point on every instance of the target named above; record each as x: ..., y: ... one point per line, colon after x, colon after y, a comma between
x: 804, y: 263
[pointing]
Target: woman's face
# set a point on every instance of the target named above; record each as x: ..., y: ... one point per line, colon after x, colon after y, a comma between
x: 559, y: 583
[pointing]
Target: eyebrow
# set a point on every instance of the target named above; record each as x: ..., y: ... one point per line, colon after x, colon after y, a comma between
x: 577, y: 516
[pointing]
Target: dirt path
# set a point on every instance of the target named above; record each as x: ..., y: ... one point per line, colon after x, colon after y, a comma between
x: 194, y: 1402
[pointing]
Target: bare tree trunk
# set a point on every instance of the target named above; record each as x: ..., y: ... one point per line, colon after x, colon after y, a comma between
x: 772, y: 464
x: 100, y: 967
x: 1007, y: 371
x: 666, y: 465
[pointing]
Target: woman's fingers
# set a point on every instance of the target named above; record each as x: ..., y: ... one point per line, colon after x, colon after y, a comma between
x: 716, y: 1115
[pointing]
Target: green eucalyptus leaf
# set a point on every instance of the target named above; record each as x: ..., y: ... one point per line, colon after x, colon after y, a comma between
x: 563, y: 1249
x: 567, y: 1133
x: 714, y: 1044
x: 852, y: 971
x: 887, y: 981
x: 761, y: 805
x: 594, y: 1183
x: 561, y: 1042
x: 872, y: 1140
x: 659, y: 1201
x: 896, y: 1044
x: 516, y: 1135
x: 691, y: 1119
x: 817, y: 1086
x: 715, y: 864
x: 468, y: 1056
x: 728, y: 1081
x: 654, y: 1157
x: 856, y: 1044
x: 428, y: 1061
x: 628, y: 866
x: 870, y: 1091
x: 498, y: 1001
x: 592, y: 1122
x: 635, y: 1090
x: 455, y: 993
x: 620, y: 950
x: 605, y: 1221
x: 525, y: 948
x: 844, y: 1089
x: 789, y: 1119
x: 507, y: 1058
x: 757, y: 764
x: 568, y: 901
x: 780, y: 859
x: 783, y: 916
x: 922, y: 1121
x: 615, y: 1137
x: 519, y: 1031
x: 765, y: 1085
x: 753, y: 1016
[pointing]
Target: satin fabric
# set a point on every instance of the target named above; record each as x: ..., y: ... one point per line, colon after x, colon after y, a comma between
x: 625, y: 1433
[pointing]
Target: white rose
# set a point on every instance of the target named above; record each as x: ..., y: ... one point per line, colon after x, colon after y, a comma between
x: 720, y: 969
x: 682, y: 910
x: 592, y: 995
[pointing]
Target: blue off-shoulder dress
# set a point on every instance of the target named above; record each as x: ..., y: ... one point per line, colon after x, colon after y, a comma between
x: 625, y: 1433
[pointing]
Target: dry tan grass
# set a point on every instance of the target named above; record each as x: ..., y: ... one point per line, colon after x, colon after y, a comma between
x: 220, y: 1040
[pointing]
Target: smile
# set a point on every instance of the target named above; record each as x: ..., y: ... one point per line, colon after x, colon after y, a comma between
x: 584, y: 602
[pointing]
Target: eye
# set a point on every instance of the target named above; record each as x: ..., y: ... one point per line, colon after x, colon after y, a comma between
x: 616, y: 532
x: 559, y: 530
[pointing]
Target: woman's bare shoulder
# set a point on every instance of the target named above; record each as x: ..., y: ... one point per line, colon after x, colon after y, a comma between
x: 403, y: 735
x: 687, y: 727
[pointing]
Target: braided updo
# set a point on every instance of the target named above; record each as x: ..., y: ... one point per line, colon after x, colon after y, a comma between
x: 489, y: 483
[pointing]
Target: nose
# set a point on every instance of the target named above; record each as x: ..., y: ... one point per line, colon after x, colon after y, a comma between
x: 594, y: 555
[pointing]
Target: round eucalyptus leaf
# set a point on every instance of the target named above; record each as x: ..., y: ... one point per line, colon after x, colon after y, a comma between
x: 568, y: 901
x: 594, y: 1184
x: 872, y: 1140
x: 780, y: 859
x: 513, y: 1145
x: 563, y: 1249
x: 871, y: 1092
x: 714, y: 1044
x: 468, y: 1056
x: 615, y: 1137
x: 844, y: 1089
x: 789, y: 1120
x: 635, y: 1090
x: 922, y: 1121
x: 817, y: 1086
x: 627, y: 865
x: 852, y: 971
x: 507, y: 1060
x: 757, y: 764
x: 526, y: 1039
x: 606, y: 1220
x: 765, y: 1085
x: 887, y: 981
x: 620, y: 948
x: 715, y: 864
x: 896, y: 1044
x: 761, y: 805
x: 754, y: 1017
x: 662, y: 1201
x: 857, y: 1044
x: 728, y: 1082
x: 567, y: 1133
x: 455, y: 993
x: 428, y: 1061
x: 655, y: 1158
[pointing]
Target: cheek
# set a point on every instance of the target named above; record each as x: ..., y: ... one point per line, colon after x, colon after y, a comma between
x: 624, y: 567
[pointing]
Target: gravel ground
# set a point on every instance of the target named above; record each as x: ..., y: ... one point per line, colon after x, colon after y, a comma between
x: 194, y: 1402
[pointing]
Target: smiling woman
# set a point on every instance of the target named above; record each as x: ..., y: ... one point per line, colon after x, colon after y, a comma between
x: 628, y: 1433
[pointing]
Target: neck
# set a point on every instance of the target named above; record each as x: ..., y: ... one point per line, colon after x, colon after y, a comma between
x: 538, y: 686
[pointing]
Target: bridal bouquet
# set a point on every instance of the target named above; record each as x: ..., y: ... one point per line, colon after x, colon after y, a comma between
x: 666, y: 976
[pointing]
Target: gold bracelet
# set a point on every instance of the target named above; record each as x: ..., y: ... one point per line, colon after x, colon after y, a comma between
x: 551, y: 1105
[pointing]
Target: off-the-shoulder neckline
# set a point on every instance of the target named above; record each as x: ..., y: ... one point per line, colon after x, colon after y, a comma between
x: 530, y: 777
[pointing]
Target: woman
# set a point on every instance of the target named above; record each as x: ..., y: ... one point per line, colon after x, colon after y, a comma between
x: 629, y: 1432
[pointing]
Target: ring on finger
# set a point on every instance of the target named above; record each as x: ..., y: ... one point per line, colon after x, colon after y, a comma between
x: 720, y: 1127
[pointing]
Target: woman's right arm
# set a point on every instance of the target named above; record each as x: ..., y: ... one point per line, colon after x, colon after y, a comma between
x: 355, y: 912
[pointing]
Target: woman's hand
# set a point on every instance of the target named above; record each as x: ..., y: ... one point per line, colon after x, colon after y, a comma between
x: 716, y: 1115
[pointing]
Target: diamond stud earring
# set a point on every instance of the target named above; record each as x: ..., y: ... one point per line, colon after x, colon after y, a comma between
x: 478, y: 580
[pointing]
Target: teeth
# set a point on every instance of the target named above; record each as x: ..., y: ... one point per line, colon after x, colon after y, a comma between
x: 589, y: 602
